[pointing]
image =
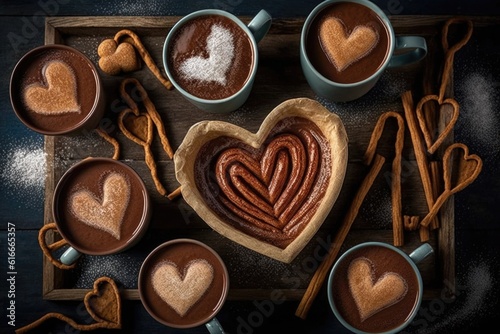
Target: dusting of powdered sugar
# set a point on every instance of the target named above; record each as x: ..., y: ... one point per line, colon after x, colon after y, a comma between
x: 24, y: 166
x: 479, y: 119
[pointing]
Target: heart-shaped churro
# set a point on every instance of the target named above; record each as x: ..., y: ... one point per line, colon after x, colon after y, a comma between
x: 181, y: 290
x: 103, y: 212
x: 117, y: 58
x: 344, y: 48
x: 58, y: 95
x: 269, y: 191
x: 103, y: 303
x: 431, y: 143
x: 459, y: 170
x: 370, y: 293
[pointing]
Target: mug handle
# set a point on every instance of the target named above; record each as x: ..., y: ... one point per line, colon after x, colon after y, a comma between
x: 421, y: 253
x: 260, y: 24
x: 214, y: 326
x: 64, y: 262
x: 415, y: 47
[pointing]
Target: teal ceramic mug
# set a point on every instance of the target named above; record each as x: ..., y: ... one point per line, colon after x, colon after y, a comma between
x: 346, y: 45
x: 211, y: 58
x: 375, y: 287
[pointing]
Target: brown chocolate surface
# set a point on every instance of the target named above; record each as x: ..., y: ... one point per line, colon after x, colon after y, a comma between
x: 90, y: 177
x: 384, y: 260
x: 182, y: 253
x: 191, y: 40
x: 31, y: 72
x: 269, y: 193
x: 352, y: 15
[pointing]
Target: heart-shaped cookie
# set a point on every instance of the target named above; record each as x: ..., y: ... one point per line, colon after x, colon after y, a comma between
x: 269, y: 191
x: 104, y: 213
x: 58, y: 96
x: 371, y: 294
x: 116, y: 58
x: 220, y: 49
x: 432, y: 140
x: 342, y: 48
x: 103, y: 303
x: 182, y: 290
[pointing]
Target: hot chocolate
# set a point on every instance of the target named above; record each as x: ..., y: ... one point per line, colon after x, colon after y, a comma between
x: 211, y: 57
x: 347, y: 42
x: 101, y: 206
x: 55, y: 89
x: 375, y: 289
x: 183, y: 283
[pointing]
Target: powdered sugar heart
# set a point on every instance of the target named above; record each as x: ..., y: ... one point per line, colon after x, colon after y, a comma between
x: 182, y: 291
x: 106, y: 214
x: 58, y: 96
x: 373, y: 296
x: 344, y: 49
x: 220, y: 48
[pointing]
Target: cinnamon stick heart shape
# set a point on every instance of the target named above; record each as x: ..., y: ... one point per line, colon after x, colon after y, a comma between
x: 182, y: 290
x: 138, y: 128
x: 106, y: 212
x: 116, y: 58
x: 103, y: 303
x: 459, y: 170
x: 269, y: 191
x: 431, y: 143
x: 464, y: 171
x: 58, y: 96
x: 372, y: 294
x: 342, y: 48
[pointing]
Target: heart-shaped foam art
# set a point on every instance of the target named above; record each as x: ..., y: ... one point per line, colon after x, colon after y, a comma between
x: 58, y: 96
x: 344, y: 49
x: 116, y: 58
x: 220, y: 49
x: 370, y: 294
x: 182, y: 290
x: 269, y: 191
x: 107, y: 213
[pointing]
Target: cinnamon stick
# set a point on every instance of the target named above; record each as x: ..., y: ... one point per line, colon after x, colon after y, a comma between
x: 322, y: 271
x: 397, y: 211
x: 435, y: 167
x: 418, y: 147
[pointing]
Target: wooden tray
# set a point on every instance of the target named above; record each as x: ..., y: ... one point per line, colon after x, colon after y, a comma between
x: 279, y: 78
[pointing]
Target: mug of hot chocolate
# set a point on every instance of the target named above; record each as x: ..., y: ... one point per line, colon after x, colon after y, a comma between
x: 211, y: 58
x: 56, y: 90
x: 183, y: 283
x: 375, y: 287
x: 100, y: 206
x: 346, y: 45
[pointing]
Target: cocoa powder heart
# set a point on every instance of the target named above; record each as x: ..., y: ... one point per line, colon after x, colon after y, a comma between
x: 372, y: 294
x: 58, y: 95
x: 104, y: 213
x: 181, y: 290
x: 342, y: 48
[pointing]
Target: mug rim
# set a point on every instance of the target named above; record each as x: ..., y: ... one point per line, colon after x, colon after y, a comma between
x: 205, y: 12
x: 34, y: 53
x: 141, y: 278
x: 305, y: 30
x: 331, y: 301
x: 141, y: 226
